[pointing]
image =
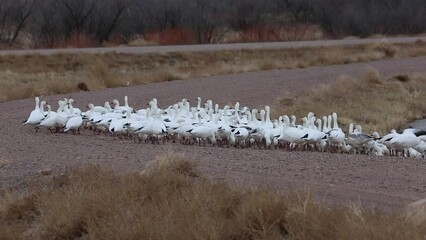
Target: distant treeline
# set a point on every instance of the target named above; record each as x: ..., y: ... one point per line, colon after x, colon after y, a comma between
x: 49, y: 23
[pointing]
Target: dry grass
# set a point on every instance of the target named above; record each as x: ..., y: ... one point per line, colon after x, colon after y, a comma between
x: 171, y: 199
x: 30, y: 75
x: 377, y: 103
x: 3, y: 163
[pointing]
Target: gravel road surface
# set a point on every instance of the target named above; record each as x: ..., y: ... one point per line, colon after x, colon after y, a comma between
x: 216, y: 47
x: 383, y: 182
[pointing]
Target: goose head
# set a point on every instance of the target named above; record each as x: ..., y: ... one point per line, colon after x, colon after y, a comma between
x: 358, y: 128
x: 293, y: 120
x: 286, y: 120
x: 254, y: 113
x: 116, y: 103
x: 108, y: 106
x: 375, y: 135
x: 237, y: 106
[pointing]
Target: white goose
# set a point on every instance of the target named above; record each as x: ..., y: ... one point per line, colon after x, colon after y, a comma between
x: 204, y: 132
x: 239, y: 136
x: 291, y: 135
x: 37, y: 115
x: 356, y: 138
x: 336, y: 136
x: 50, y: 120
x: 76, y: 111
x: 97, y: 109
x: 405, y: 140
x: 121, y: 109
x: 117, y: 126
x: 258, y: 132
x: 312, y: 134
x: 74, y: 124
x: 155, y: 128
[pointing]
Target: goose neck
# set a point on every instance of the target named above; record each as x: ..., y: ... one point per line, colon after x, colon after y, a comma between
x: 335, y: 125
x: 37, y: 101
x: 268, y: 115
x: 126, y: 102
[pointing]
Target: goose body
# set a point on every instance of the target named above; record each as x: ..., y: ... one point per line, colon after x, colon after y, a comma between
x: 74, y: 123
x: 37, y: 115
x: 405, y: 140
x: 238, y: 125
x: 50, y: 120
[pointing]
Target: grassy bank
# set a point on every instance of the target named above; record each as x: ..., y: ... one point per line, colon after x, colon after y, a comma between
x: 377, y: 103
x: 33, y: 75
x: 172, y: 199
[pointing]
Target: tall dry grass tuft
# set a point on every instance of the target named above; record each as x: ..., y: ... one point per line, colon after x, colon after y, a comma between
x: 17, y: 213
x: 99, y: 75
x: 261, y: 214
x: 372, y: 76
x: 172, y: 199
x: 389, y: 50
x: 377, y: 103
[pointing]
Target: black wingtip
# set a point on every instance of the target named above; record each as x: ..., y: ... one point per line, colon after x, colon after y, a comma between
x: 306, y: 136
x: 420, y: 133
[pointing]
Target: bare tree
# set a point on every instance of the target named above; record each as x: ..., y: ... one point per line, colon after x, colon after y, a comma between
x: 14, y: 16
x: 207, y: 26
x: 23, y: 10
x: 108, y: 18
x: 51, y: 21
x: 163, y: 14
x: 76, y: 14
x: 47, y: 29
x: 300, y: 10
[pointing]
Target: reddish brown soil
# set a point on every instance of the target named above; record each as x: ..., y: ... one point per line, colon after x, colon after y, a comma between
x: 383, y: 182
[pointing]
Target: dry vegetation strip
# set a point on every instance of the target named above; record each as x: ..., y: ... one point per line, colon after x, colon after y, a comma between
x: 32, y: 75
x: 171, y: 199
x: 377, y: 103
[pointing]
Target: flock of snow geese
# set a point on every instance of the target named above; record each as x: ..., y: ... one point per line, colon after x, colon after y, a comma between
x: 228, y: 126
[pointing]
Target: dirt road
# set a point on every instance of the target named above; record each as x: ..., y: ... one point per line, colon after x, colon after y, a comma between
x: 387, y: 183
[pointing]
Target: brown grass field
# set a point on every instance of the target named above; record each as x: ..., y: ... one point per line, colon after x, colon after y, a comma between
x: 35, y: 75
x: 171, y: 199
x: 378, y: 104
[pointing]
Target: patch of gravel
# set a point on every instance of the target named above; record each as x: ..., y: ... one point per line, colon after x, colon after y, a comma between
x: 383, y: 182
